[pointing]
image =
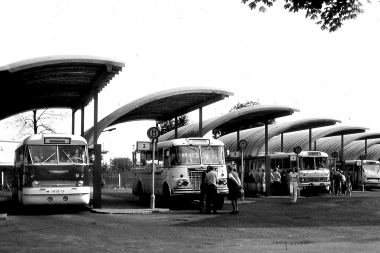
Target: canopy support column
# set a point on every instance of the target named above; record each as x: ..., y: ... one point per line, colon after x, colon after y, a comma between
x: 365, y: 148
x: 73, y: 122
x: 282, y: 142
x: 342, y: 153
x: 267, y: 163
x: 82, y: 120
x: 176, y: 128
x: 310, y: 139
x: 200, y: 132
x: 98, y: 156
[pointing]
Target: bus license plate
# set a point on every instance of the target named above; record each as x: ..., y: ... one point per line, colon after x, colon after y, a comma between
x: 57, y: 191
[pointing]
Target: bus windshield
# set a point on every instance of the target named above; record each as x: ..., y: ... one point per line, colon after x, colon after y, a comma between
x: 187, y: 155
x: 48, y: 154
x: 314, y: 163
x: 212, y: 155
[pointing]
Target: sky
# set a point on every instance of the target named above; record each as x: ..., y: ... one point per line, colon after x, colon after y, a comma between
x: 274, y: 57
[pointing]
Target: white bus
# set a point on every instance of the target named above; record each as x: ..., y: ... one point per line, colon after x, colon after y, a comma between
x: 51, y: 169
x: 179, y: 167
x: 314, y: 175
x: 365, y: 173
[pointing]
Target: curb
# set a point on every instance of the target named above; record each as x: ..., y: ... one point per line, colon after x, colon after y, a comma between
x: 128, y: 211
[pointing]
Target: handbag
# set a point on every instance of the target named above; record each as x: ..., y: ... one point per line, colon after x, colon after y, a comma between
x: 240, y: 193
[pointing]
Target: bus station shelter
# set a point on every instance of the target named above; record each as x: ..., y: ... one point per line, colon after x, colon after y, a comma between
x: 63, y: 81
x: 257, y: 138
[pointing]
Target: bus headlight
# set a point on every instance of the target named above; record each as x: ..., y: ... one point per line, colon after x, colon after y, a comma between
x: 183, y: 182
x: 35, y: 183
x: 80, y: 183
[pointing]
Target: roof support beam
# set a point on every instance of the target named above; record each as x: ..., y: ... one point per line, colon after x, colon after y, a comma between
x: 310, y: 139
x: 267, y: 163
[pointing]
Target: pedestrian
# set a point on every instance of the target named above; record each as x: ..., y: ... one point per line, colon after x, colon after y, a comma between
x: 277, y: 182
x: 234, y: 186
x: 332, y: 180
x: 294, y: 182
x: 343, y: 182
x: 348, y: 184
x: 262, y: 181
x: 337, y: 181
x: 211, y: 179
x: 202, y: 199
x: 288, y: 182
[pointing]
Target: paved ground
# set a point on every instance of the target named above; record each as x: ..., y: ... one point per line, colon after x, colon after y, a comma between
x: 315, y: 224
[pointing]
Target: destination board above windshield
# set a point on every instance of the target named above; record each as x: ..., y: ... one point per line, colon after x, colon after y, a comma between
x: 199, y: 142
x: 57, y: 140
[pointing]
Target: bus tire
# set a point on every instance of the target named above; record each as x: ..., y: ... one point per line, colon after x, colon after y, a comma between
x: 167, y: 199
x: 220, y: 201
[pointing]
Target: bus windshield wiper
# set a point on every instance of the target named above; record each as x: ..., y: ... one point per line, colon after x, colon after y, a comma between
x: 49, y: 157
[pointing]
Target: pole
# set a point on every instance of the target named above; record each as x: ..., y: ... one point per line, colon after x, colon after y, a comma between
x: 242, y: 172
x: 362, y: 177
x: 119, y: 181
x: 153, y: 198
x: 332, y: 189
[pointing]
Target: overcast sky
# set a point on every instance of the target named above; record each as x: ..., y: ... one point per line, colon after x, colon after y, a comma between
x: 275, y: 57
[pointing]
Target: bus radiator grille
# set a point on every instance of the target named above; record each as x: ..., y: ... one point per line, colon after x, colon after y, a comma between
x: 195, y: 179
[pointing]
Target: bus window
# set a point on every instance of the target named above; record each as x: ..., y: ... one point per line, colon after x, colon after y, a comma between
x: 173, y: 157
x: 166, y: 157
x: 212, y: 155
x: 72, y: 154
x: 307, y: 163
x: 43, y: 154
x: 321, y: 162
x: 286, y: 163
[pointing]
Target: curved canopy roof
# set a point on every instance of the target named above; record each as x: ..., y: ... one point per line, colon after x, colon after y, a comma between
x: 251, y: 114
x: 373, y: 152
x: 331, y: 144
x: 54, y: 81
x: 256, y: 136
x: 302, y: 138
x: 162, y: 105
x: 353, y: 150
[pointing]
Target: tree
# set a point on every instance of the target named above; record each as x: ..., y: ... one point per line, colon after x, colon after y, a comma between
x: 245, y: 124
x: 36, y: 121
x: 121, y: 163
x: 329, y: 13
x: 167, y: 126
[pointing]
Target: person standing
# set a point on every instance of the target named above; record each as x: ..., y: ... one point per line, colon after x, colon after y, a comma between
x: 277, y: 182
x: 337, y: 181
x: 211, y: 179
x: 332, y: 180
x: 234, y: 184
x: 202, y: 200
x: 294, y: 181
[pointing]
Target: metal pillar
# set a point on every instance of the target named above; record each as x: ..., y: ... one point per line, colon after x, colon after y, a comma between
x: 267, y: 163
x: 72, y: 122
x: 282, y: 142
x: 342, y: 148
x: 365, y: 148
x: 82, y: 121
x: 176, y: 127
x: 200, y: 132
x: 310, y: 139
x: 98, y: 156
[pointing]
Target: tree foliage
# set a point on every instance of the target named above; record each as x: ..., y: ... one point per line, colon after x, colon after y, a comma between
x: 329, y: 14
x: 243, y: 125
x: 35, y: 122
x: 121, y: 164
x: 167, y: 126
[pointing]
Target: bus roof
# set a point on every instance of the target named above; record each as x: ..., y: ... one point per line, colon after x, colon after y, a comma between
x: 187, y: 141
x: 39, y: 139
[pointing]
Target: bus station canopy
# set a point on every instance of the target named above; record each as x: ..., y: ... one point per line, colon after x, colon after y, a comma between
x: 355, y: 149
x: 255, y: 137
x: 54, y: 82
x: 373, y: 152
x: 302, y: 138
x: 251, y: 114
x: 331, y: 144
x: 162, y: 105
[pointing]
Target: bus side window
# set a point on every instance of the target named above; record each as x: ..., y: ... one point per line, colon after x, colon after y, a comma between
x: 166, y: 157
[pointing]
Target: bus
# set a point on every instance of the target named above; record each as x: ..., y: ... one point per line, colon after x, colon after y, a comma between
x: 51, y: 169
x: 313, y: 173
x: 179, y: 167
x: 363, y: 173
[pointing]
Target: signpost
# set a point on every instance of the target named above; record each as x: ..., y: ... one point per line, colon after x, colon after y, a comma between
x: 242, y: 145
x: 153, y: 134
x: 297, y: 150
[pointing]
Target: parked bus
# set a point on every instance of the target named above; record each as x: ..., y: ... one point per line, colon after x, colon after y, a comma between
x: 314, y: 175
x: 51, y: 169
x: 179, y: 167
x: 365, y: 173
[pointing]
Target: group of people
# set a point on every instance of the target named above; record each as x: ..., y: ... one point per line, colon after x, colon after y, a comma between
x: 208, y: 198
x: 340, y: 182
